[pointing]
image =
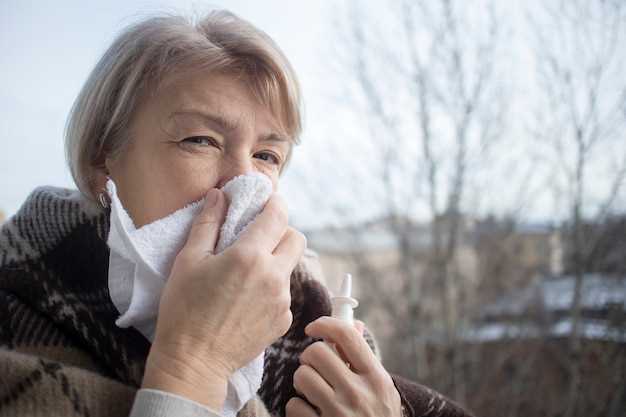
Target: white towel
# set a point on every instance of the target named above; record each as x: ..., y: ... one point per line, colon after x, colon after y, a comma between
x: 141, y: 260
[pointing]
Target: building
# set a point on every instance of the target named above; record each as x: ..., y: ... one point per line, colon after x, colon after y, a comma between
x: 542, y: 309
x: 510, y: 254
x: 488, y: 253
x: 521, y: 347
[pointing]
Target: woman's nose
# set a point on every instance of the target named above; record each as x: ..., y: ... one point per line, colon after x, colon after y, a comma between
x: 233, y: 168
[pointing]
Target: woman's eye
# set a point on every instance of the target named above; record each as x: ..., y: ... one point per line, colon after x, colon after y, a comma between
x: 268, y: 157
x: 201, y: 140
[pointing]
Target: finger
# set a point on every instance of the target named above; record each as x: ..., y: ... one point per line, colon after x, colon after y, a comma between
x: 297, y: 407
x: 290, y: 249
x: 353, y: 345
x: 269, y: 226
x: 205, y: 228
x: 313, y: 387
x: 360, y: 326
x: 327, y: 363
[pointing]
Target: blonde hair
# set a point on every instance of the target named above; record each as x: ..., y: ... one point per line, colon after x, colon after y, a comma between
x: 148, y: 51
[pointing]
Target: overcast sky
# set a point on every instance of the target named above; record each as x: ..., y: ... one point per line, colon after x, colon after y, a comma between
x: 49, y: 48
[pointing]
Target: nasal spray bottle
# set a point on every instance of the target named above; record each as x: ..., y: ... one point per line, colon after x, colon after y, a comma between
x: 343, y: 305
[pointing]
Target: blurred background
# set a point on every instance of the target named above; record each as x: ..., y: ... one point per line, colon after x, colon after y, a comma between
x: 464, y: 160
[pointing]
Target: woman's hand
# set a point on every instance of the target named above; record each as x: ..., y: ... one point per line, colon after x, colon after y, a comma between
x: 218, y: 312
x: 362, y: 389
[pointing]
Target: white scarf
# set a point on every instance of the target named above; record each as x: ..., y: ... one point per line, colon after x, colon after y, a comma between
x: 141, y: 260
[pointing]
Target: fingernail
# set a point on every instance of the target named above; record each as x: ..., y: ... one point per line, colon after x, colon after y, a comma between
x: 211, y: 198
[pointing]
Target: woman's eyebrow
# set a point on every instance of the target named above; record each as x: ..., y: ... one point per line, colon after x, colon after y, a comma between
x: 274, y: 137
x: 227, y: 125
x: 211, y: 120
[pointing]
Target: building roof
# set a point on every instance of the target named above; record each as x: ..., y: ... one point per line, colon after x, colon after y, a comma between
x: 589, y: 329
x: 556, y: 294
x: 381, y: 234
x: 371, y: 236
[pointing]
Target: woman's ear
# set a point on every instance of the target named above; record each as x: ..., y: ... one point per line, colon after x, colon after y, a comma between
x: 101, y: 174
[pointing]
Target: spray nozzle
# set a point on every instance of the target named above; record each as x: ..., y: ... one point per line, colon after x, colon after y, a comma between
x: 343, y: 304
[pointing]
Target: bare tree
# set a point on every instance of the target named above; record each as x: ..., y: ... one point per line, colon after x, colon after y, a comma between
x: 579, y: 48
x: 427, y: 89
x: 426, y: 77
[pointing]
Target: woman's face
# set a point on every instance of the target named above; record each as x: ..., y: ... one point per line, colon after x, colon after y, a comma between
x: 195, y: 133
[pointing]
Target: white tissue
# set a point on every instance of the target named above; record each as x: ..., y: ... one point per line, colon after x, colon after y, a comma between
x: 141, y: 260
x: 247, y: 195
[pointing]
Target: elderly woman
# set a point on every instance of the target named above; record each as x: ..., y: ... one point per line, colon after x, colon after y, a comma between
x: 172, y: 112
